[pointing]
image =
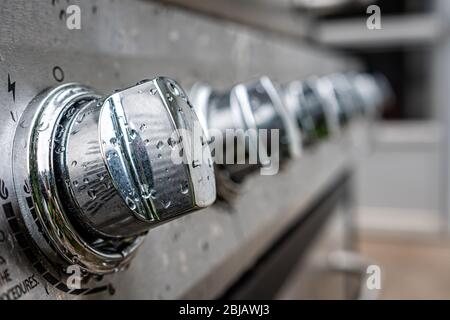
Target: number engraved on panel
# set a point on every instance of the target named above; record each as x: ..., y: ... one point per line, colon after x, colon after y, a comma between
x: 58, y: 74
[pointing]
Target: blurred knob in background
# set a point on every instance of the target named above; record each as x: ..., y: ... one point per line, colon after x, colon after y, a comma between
x: 374, y: 91
x: 248, y: 107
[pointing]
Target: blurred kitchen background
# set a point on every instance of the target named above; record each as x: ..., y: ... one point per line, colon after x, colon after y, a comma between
x: 402, y: 187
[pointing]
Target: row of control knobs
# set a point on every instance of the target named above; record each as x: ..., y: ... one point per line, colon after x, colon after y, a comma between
x: 104, y: 170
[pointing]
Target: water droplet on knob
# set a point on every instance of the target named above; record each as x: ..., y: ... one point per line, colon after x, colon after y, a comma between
x: 60, y: 150
x: 145, y: 193
x: 172, y: 142
x: 80, y: 118
x: 74, y: 164
x: 131, y: 204
x: 185, y: 188
x: 142, y: 82
x: 174, y: 88
x: 43, y: 126
x: 133, y: 134
x: 160, y: 145
x: 111, y: 155
x: 113, y: 141
x: 167, y: 204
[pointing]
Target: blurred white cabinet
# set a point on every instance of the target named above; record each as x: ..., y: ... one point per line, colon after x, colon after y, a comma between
x: 401, y: 185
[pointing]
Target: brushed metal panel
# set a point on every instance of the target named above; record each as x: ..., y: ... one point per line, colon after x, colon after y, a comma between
x: 120, y: 43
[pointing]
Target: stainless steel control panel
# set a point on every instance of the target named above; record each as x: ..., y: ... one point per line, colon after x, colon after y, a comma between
x: 71, y: 111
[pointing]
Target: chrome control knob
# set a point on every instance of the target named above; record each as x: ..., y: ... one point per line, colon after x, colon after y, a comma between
x: 262, y: 107
x: 349, y: 103
x: 305, y: 103
x: 332, y: 102
x: 305, y: 107
x: 253, y: 105
x: 374, y: 91
x: 104, y: 170
x: 248, y: 107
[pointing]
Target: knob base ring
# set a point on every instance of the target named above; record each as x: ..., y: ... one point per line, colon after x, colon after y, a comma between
x: 52, y: 230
